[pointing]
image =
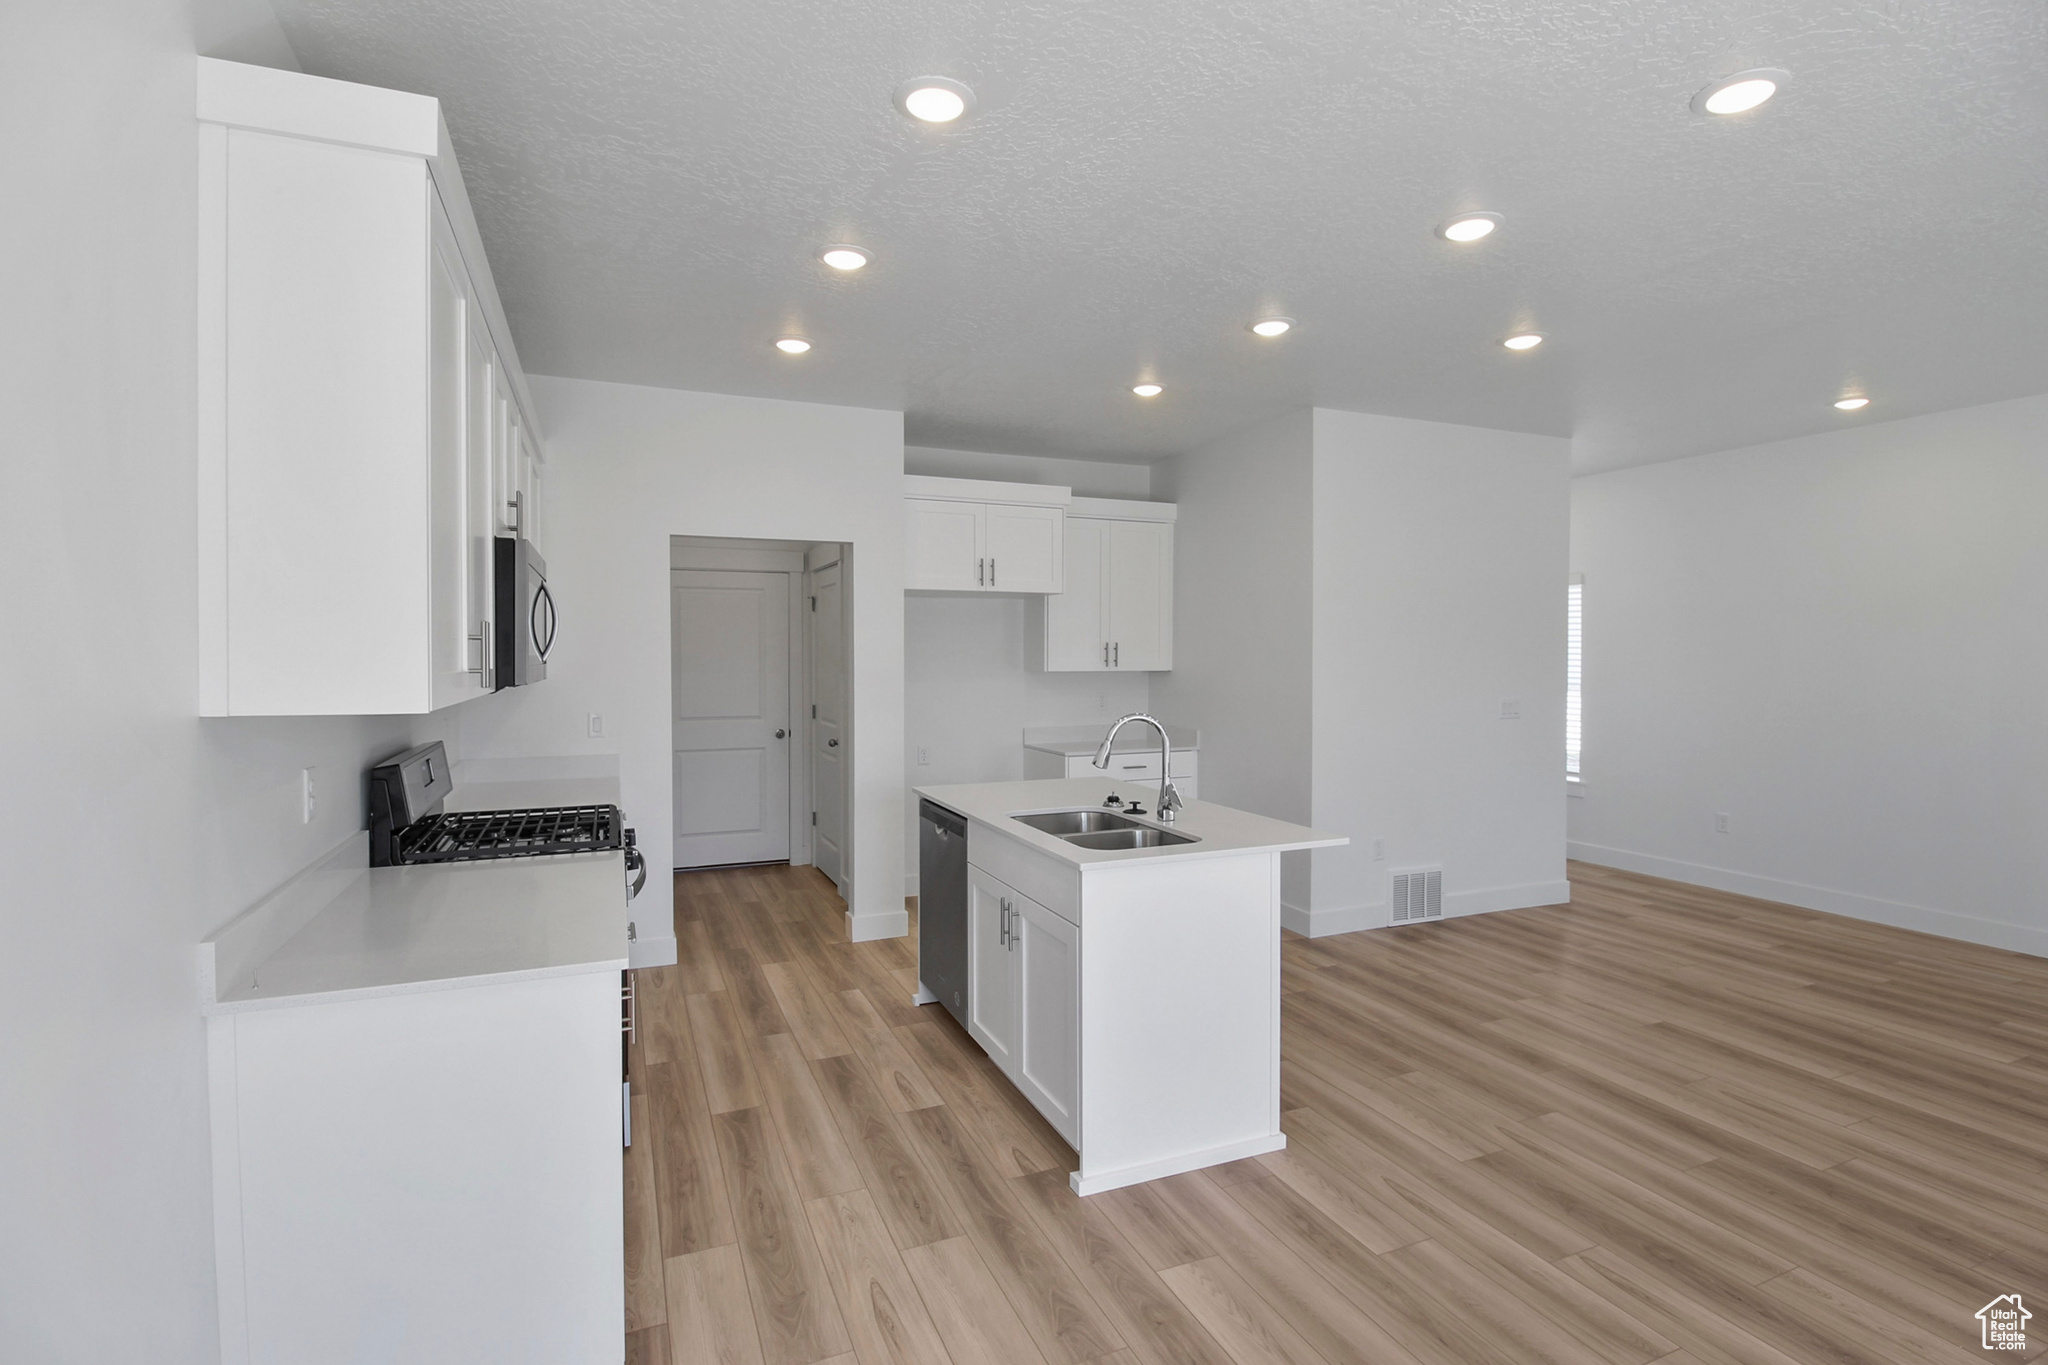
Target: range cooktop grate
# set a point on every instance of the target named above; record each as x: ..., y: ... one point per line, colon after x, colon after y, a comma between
x: 460, y: 836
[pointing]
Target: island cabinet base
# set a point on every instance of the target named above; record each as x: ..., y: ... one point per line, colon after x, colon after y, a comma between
x: 1180, y: 1016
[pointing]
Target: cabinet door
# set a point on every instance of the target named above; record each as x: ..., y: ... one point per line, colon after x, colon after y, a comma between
x: 505, y: 469
x: 455, y: 658
x: 1048, y: 1038
x: 480, y: 446
x: 991, y: 967
x: 1074, y: 638
x: 945, y: 545
x: 529, y: 488
x: 1025, y: 547
x: 1139, y: 590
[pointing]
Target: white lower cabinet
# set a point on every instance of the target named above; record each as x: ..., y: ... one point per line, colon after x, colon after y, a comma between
x: 423, y: 1177
x: 1024, y: 996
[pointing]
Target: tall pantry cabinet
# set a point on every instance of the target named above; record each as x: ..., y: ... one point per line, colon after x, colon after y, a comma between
x: 364, y: 427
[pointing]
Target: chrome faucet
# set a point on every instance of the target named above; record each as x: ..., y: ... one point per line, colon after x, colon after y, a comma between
x: 1169, y: 799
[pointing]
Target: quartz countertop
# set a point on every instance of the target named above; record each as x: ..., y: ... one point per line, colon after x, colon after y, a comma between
x: 344, y: 930
x: 1070, y: 741
x: 1221, y: 830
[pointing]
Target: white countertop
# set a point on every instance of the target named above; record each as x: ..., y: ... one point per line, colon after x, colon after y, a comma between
x: 1070, y: 741
x: 1221, y: 830
x: 344, y: 930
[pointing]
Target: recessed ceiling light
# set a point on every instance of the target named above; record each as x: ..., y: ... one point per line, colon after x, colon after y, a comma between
x: 1273, y: 327
x: 934, y: 99
x: 792, y: 345
x: 1147, y: 390
x: 1523, y: 341
x: 1469, y: 227
x: 1740, y: 92
x: 1853, y: 402
x: 843, y: 257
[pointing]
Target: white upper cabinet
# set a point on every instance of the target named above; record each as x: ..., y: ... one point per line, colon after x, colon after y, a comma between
x: 1117, y: 609
x: 358, y: 390
x: 965, y: 535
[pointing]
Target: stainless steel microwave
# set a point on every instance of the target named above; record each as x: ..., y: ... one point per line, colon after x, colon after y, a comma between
x: 525, y: 613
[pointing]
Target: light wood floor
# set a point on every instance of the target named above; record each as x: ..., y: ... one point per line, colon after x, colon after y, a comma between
x: 1658, y: 1124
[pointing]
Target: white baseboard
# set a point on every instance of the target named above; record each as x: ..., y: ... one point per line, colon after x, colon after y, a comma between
x: 1345, y: 919
x: 888, y: 924
x: 2018, y: 938
x: 1174, y: 1165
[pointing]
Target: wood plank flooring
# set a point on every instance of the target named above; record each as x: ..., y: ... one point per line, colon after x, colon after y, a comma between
x: 1658, y: 1124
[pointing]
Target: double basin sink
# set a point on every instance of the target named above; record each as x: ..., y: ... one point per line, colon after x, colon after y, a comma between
x: 1093, y: 827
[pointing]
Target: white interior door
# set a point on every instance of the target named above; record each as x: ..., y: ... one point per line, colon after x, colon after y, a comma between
x: 729, y: 665
x: 828, y: 727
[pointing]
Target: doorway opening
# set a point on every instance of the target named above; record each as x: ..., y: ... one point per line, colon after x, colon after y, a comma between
x: 760, y: 704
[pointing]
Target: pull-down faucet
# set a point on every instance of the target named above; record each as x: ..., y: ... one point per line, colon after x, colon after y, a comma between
x: 1169, y: 799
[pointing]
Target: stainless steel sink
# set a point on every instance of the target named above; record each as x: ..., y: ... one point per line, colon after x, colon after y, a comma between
x: 1084, y: 821
x: 1135, y: 836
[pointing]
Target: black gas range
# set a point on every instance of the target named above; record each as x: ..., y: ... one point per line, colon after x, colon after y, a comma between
x: 408, y: 825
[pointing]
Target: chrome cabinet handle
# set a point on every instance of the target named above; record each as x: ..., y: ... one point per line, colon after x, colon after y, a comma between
x: 482, y: 640
x: 981, y: 573
x: 518, y: 517
x: 1105, y: 654
x: 1117, y: 650
x: 1002, y: 922
x: 991, y: 572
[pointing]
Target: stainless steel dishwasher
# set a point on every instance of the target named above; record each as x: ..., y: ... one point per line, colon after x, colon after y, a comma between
x: 942, y: 906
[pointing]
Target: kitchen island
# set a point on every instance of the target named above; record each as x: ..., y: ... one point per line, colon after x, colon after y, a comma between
x: 1132, y: 994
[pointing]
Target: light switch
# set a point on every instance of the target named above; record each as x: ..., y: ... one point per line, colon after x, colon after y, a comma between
x: 1720, y: 822
x: 306, y: 794
x: 595, y: 724
x: 1511, y: 708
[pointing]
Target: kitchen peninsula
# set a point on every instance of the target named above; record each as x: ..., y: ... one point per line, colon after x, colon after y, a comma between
x: 1131, y: 993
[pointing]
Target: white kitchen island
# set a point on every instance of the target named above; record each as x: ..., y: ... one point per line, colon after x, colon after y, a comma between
x: 1132, y: 995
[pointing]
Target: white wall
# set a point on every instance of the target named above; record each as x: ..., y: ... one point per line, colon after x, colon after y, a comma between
x: 1440, y: 567
x: 968, y: 695
x: 1241, y: 597
x: 1841, y: 642
x: 129, y: 828
x: 1089, y: 478
x: 628, y: 468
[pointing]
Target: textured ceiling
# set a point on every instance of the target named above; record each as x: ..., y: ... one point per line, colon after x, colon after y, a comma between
x: 1142, y: 178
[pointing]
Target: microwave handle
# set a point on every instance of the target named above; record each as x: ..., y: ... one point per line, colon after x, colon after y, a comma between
x: 541, y: 642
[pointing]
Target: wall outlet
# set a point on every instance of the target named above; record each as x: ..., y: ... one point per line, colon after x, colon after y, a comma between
x: 1379, y: 850
x: 924, y: 757
x: 1102, y: 702
x: 1720, y: 822
x: 1511, y: 708
x: 306, y: 796
x: 594, y: 725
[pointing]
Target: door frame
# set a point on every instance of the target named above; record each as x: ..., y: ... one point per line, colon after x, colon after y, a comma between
x: 686, y: 552
x: 816, y: 560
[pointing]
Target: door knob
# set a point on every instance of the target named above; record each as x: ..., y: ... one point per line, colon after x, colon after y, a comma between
x: 780, y: 733
x: 831, y: 743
